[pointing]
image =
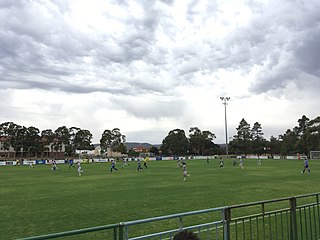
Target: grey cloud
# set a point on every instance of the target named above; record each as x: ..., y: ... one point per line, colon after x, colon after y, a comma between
x: 283, y: 43
x: 307, y: 52
x: 33, y: 42
x: 157, y: 56
x: 40, y: 50
x: 189, y: 67
x: 211, y: 8
x: 151, y: 109
x: 169, y: 2
x: 44, y: 46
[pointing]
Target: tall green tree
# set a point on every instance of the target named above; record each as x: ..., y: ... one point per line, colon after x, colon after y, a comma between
x: 154, y: 150
x: 15, y: 136
x: 303, y: 125
x: 304, y: 135
x: 7, y: 130
x: 256, y: 132
x: 62, y: 138
x: 47, y: 139
x: 82, y: 140
x: 18, y: 140
x: 201, y: 142
x: 121, y: 148
x: 241, y: 143
x: 258, y: 143
x: 314, y: 128
x: 74, y: 143
x: 175, y: 143
x: 274, y: 145
x: 32, y: 144
x: 112, y: 139
x: 289, y: 142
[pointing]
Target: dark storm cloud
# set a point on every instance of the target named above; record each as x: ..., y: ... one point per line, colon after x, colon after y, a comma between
x: 307, y: 52
x: 36, y: 42
x: 40, y: 49
x: 288, y: 46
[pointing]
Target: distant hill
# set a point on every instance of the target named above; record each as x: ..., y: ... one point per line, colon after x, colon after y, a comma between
x: 130, y: 145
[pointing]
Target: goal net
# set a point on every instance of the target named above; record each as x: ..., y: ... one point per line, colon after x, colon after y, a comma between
x: 314, y: 154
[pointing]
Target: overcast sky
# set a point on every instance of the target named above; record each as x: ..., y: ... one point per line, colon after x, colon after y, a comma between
x: 148, y: 67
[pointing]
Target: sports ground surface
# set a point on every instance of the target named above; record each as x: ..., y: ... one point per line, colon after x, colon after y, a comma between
x: 39, y: 201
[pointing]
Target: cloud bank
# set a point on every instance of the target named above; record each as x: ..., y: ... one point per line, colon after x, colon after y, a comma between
x: 148, y: 67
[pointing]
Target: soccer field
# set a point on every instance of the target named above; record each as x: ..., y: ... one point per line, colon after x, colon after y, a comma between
x: 39, y: 201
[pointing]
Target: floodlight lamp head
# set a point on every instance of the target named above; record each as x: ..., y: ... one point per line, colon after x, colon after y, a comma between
x: 228, y: 98
x: 221, y: 98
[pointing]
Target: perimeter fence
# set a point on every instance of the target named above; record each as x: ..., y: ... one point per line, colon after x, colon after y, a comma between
x: 291, y: 218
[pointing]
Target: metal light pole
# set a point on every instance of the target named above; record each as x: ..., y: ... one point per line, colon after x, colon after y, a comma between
x: 224, y: 102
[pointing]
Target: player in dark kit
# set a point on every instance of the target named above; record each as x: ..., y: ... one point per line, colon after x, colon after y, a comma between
x: 71, y: 163
x: 306, y: 166
x: 139, y: 165
x: 113, y: 166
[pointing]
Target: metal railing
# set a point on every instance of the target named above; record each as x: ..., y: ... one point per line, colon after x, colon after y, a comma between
x: 114, y: 227
x: 213, y: 225
x: 294, y: 221
x: 291, y: 218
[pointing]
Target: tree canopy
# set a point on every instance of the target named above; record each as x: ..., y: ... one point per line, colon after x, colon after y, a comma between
x: 303, y: 138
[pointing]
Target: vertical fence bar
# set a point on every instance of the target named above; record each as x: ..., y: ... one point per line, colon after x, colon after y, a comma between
x: 121, y: 227
x: 276, y: 225
x: 305, y: 221
x: 250, y: 228
x: 270, y: 227
x: 300, y: 224
x: 288, y: 225
x: 263, y: 227
x: 199, y: 232
x: 226, y: 219
x: 217, y: 232
x: 293, y: 218
x: 115, y: 235
x: 243, y: 229
x: 180, y: 223
x: 311, y: 234
x: 281, y: 224
x: 257, y: 222
x: 317, y: 198
x: 315, y: 222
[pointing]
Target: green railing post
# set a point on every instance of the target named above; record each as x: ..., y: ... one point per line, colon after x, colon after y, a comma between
x: 318, y: 208
x: 293, y: 219
x: 226, y: 223
x: 121, y: 228
x: 180, y: 223
x: 115, y: 234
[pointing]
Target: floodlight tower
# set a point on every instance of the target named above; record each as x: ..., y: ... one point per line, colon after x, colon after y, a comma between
x: 224, y: 102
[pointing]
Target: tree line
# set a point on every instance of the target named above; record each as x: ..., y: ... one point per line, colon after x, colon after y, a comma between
x: 29, y: 141
x: 303, y: 138
x: 248, y: 140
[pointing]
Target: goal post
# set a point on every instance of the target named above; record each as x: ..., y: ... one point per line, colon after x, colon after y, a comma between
x: 314, y: 154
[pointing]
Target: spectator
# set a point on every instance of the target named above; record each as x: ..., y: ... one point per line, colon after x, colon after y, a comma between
x: 186, y: 235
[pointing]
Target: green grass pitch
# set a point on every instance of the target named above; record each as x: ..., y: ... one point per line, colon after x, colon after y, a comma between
x: 39, y: 201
